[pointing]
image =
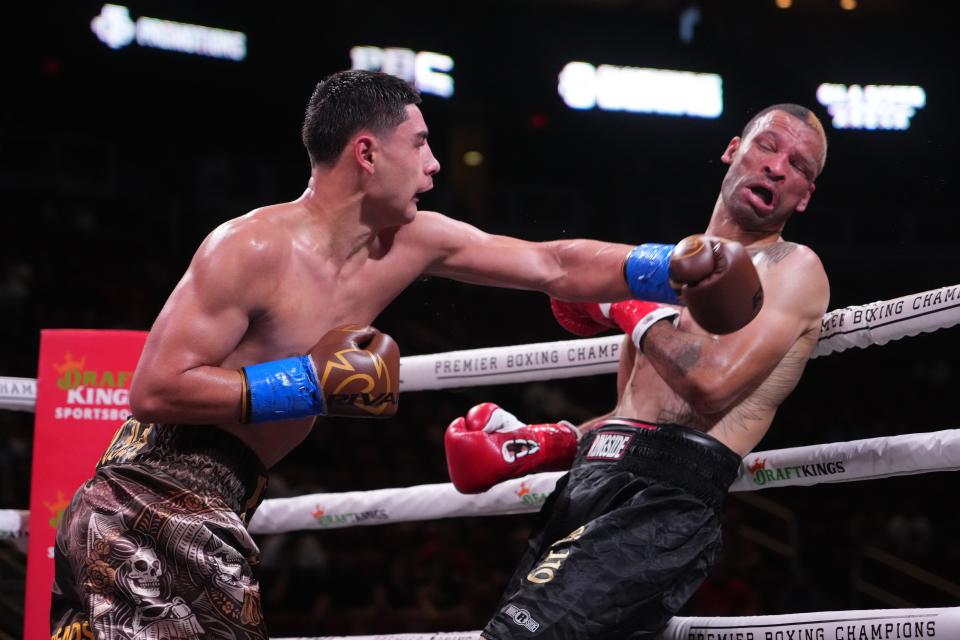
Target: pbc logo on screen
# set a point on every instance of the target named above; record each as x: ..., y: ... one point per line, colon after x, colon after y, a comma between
x: 427, y: 70
x: 609, y: 446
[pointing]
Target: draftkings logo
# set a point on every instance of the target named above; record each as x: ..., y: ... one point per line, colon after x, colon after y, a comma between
x: 530, y: 497
x: 762, y: 475
x: 91, y: 394
x: 333, y: 520
x: 56, y: 509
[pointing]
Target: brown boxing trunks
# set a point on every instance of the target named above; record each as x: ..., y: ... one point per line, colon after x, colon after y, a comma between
x: 154, y: 546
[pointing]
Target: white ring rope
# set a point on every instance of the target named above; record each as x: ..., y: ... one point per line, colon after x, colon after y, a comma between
x: 880, y: 322
x: 18, y: 394
x: 859, y: 326
x: 836, y: 462
x: 439, y: 635
x: 872, y: 624
x: 828, y: 625
x: 868, y: 459
x: 13, y: 523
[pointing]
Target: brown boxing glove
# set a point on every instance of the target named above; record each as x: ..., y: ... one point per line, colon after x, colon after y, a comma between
x: 358, y: 372
x: 718, y: 282
x: 354, y: 370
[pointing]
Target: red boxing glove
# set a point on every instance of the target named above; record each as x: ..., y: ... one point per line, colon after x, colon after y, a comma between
x: 634, y: 317
x: 582, y: 319
x: 490, y: 445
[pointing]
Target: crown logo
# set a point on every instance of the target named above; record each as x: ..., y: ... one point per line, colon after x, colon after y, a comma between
x: 757, y: 465
x: 59, y: 504
x: 70, y: 364
x: 56, y: 508
x: 523, y: 490
x: 318, y: 512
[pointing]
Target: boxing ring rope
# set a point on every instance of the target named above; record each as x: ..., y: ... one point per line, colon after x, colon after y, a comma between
x: 870, y: 624
x: 18, y: 394
x: 13, y: 523
x: 858, y: 326
x: 867, y: 459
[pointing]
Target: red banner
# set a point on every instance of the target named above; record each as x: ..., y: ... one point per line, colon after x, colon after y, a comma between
x: 83, y: 387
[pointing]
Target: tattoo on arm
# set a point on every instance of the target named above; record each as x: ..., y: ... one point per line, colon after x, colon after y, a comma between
x: 674, y: 349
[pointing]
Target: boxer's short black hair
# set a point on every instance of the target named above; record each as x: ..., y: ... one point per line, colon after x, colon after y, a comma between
x: 346, y: 102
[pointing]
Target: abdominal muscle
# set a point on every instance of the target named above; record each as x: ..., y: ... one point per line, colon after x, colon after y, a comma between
x: 647, y: 397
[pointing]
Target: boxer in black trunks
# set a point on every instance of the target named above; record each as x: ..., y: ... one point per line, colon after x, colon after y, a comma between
x: 631, y: 532
x: 236, y: 347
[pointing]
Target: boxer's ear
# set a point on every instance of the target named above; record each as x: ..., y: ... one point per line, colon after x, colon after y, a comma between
x: 805, y: 201
x: 730, y: 151
x: 363, y: 146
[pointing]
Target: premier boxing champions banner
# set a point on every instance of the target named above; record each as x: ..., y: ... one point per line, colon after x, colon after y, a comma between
x: 83, y: 388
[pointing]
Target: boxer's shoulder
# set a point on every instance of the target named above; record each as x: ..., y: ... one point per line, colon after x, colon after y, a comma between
x: 241, y: 254
x: 252, y: 235
x: 426, y: 226
x: 434, y: 235
x: 793, y: 277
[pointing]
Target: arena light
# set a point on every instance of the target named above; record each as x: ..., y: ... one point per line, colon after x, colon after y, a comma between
x: 641, y: 90
x: 116, y: 29
x: 427, y: 70
x: 873, y: 106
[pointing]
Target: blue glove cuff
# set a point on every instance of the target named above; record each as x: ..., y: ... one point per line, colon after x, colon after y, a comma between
x: 281, y: 390
x: 647, y: 271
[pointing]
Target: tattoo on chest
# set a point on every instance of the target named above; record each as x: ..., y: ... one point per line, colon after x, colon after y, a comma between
x: 776, y: 252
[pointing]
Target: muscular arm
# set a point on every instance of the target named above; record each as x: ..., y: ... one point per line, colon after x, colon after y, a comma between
x: 179, y: 378
x: 586, y: 270
x: 712, y: 373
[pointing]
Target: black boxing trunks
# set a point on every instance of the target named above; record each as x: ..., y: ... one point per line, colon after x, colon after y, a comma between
x: 155, y: 546
x: 624, y: 540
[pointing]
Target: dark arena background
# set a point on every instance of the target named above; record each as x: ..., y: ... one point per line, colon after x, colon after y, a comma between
x: 116, y: 161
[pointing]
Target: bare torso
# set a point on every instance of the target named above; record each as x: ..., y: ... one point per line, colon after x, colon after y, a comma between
x: 647, y: 396
x: 310, y: 298
x: 268, y: 285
